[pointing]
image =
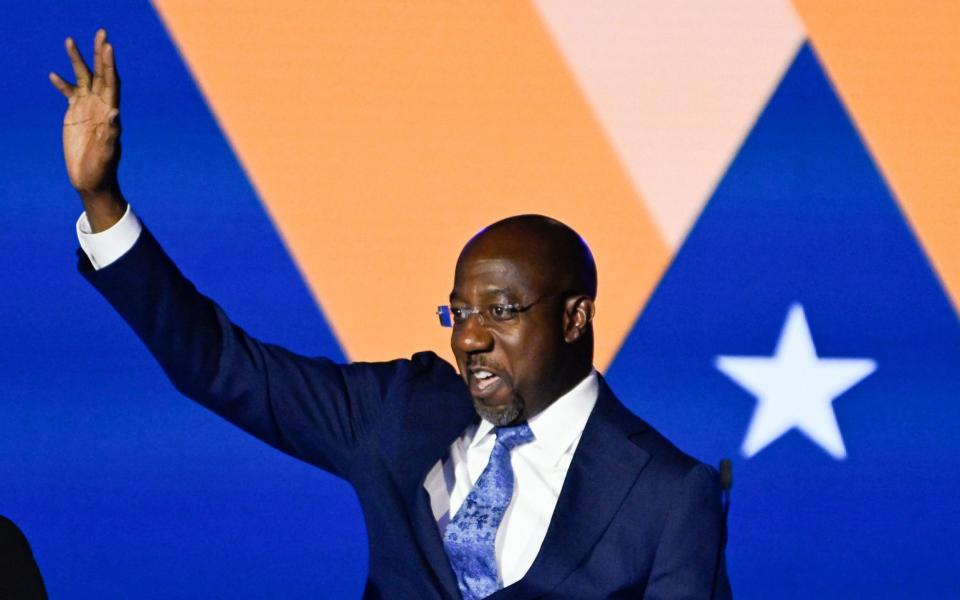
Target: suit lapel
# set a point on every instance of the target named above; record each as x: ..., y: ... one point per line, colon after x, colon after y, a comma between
x: 440, y: 410
x: 604, y: 468
x: 428, y: 538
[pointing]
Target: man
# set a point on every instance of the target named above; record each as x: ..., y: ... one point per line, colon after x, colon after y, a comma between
x: 521, y: 477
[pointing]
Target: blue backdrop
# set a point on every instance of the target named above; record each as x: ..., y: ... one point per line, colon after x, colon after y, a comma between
x: 127, y: 490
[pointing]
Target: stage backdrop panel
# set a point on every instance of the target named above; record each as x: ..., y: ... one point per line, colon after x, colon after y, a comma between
x: 771, y: 190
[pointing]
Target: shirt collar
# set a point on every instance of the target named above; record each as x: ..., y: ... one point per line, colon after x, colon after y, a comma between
x: 559, y: 425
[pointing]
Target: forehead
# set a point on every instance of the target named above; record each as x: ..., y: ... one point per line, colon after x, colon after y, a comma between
x: 482, y: 276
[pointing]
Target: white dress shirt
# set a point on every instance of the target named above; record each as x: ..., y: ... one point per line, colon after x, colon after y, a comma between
x: 539, y: 467
x: 110, y: 244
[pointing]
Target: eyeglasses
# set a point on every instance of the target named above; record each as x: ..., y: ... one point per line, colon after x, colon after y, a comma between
x: 451, y: 316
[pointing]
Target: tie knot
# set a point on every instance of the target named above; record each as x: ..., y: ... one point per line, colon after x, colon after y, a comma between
x: 517, y: 435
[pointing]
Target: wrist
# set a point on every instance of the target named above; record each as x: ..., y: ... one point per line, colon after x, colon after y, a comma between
x: 103, y: 207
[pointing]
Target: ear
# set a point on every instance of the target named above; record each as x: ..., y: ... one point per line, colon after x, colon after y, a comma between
x: 577, y: 316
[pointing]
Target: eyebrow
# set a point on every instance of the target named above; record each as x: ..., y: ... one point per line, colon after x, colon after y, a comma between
x: 488, y: 292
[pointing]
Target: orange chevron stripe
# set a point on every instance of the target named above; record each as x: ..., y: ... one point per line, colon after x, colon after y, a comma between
x: 381, y: 135
x: 897, y: 68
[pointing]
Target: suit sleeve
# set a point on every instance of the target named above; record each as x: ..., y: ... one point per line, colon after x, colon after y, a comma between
x: 690, y: 562
x: 311, y: 408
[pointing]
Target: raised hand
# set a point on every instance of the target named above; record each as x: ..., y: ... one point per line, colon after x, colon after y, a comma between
x: 91, y: 132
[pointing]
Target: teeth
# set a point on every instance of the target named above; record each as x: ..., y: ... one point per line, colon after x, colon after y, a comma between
x: 483, y: 374
x: 485, y: 382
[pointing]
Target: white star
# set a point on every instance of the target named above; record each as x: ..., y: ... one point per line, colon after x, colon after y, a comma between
x: 794, y: 388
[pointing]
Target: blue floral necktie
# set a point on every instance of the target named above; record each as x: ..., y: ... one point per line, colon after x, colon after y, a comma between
x: 470, y: 538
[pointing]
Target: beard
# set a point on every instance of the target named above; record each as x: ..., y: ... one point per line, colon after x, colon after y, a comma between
x: 501, y: 416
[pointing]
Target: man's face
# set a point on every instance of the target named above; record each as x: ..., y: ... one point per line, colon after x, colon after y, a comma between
x: 510, y: 366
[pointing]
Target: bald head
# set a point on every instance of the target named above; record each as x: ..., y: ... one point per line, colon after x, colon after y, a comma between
x: 523, y: 305
x: 553, y: 251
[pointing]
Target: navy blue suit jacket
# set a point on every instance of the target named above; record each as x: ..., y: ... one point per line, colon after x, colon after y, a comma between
x: 635, y: 518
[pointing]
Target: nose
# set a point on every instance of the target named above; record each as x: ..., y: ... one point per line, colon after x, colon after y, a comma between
x: 471, y: 336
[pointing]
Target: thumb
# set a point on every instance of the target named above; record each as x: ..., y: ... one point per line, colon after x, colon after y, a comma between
x: 109, y: 130
x: 113, y: 123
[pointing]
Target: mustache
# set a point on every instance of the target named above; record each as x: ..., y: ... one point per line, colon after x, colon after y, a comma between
x: 480, y: 362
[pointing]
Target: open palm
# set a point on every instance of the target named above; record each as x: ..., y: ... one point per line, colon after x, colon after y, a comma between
x: 91, y: 130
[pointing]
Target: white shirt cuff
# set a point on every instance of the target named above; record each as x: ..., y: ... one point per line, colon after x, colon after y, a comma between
x: 110, y: 244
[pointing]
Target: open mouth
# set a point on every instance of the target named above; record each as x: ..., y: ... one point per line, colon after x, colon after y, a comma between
x: 483, y: 382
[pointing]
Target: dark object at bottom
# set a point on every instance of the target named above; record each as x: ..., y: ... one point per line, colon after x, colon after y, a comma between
x: 19, y: 576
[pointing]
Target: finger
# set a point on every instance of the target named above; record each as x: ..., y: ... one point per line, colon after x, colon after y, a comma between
x: 65, y: 88
x: 79, y: 67
x: 98, y: 60
x: 111, y: 83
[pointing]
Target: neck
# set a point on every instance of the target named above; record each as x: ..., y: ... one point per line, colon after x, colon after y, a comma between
x: 572, y: 376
